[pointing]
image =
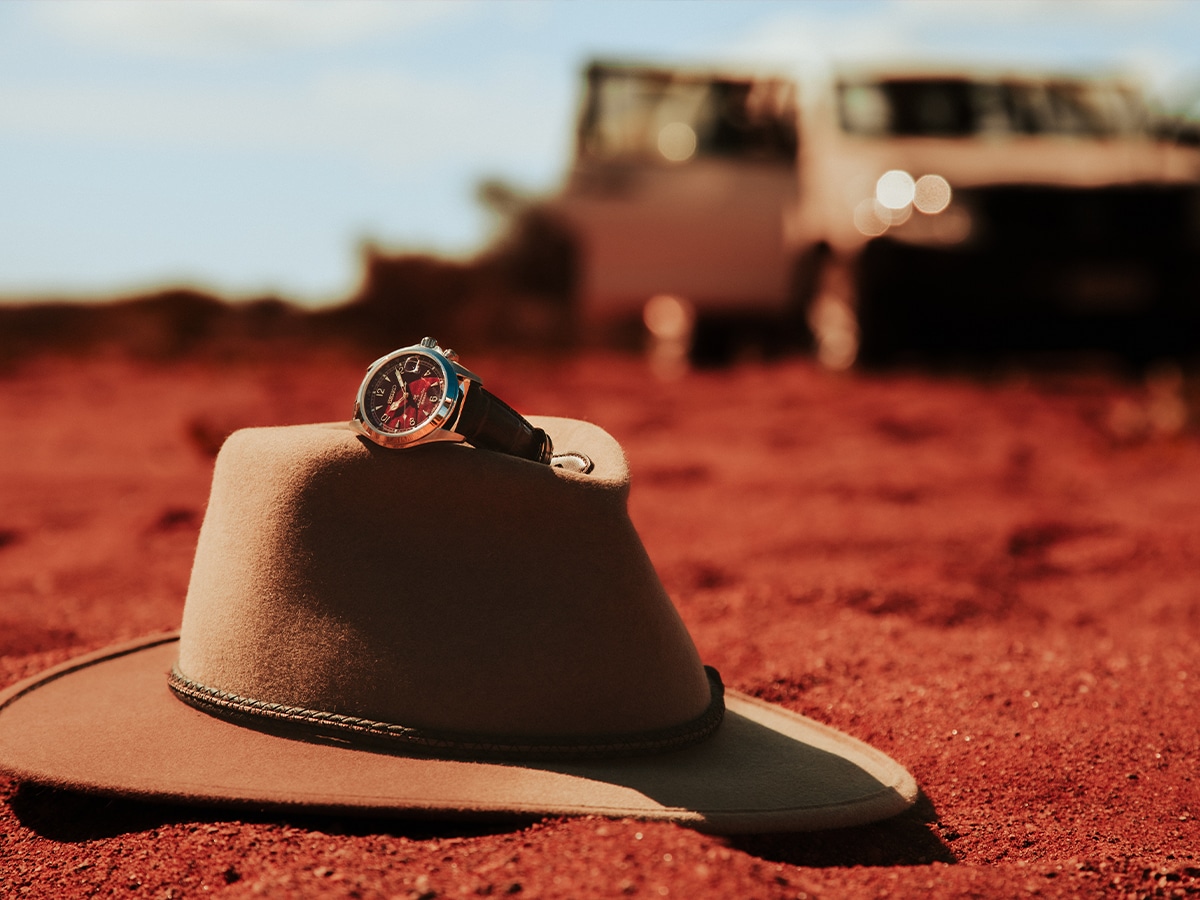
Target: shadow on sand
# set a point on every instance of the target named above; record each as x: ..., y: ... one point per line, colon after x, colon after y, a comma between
x: 904, y: 840
x: 73, y: 817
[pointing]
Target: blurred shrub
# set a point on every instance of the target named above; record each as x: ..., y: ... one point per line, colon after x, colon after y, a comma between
x: 517, y: 292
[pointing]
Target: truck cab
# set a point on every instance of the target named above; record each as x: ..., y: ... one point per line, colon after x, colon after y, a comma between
x: 994, y: 208
x: 681, y: 186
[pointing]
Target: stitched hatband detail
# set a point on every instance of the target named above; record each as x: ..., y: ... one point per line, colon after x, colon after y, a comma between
x: 299, y: 722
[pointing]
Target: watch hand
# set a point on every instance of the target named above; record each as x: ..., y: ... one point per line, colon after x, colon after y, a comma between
x: 401, y: 396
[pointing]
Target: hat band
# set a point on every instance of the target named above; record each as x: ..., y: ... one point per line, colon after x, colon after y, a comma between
x: 318, y: 725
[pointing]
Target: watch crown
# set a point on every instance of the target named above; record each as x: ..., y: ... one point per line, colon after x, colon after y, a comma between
x: 428, y: 342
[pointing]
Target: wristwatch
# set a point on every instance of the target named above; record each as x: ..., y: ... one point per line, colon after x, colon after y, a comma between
x: 421, y: 394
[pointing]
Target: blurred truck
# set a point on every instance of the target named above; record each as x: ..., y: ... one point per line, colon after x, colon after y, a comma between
x: 880, y: 210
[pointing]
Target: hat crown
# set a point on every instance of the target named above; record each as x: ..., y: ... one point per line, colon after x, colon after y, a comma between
x: 438, y: 588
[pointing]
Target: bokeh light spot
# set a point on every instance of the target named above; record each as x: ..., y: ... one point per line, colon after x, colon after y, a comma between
x: 894, y: 217
x: 895, y: 189
x: 668, y: 316
x: 931, y: 194
x: 677, y: 141
x: 671, y: 322
x: 867, y: 219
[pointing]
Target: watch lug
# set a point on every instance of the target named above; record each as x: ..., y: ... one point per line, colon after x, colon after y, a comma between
x: 463, y: 373
x: 442, y: 434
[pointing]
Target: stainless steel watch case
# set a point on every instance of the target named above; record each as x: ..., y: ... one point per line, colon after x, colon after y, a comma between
x: 439, y: 426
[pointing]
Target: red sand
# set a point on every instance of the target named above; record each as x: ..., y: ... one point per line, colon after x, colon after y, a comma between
x: 991, y: 579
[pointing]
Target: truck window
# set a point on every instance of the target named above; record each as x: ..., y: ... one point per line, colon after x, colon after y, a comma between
x: 959, y: 108
x: 927, y: 108
x: 654, y: 116
x: 1093, y: 110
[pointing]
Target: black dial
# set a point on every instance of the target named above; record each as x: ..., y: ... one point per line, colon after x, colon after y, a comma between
x: 405, y: 393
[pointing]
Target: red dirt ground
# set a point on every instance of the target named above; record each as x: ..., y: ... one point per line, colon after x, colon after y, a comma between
x: 991, y: 577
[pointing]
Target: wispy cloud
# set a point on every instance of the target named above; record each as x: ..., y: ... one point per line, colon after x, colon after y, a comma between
x: 383, y: 118
x: 1131, y: 35
x: 201, y: 29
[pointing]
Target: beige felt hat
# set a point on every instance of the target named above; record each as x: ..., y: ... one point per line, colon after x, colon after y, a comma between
x: 434, y: 631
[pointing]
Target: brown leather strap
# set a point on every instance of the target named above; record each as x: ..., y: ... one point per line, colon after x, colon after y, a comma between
x: 488, y: 422
x: 316, y: 725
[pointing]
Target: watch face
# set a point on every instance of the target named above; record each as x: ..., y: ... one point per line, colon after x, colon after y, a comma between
x: 405, y: 393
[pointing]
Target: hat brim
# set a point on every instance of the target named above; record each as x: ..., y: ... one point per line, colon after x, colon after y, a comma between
x: 108, y: 723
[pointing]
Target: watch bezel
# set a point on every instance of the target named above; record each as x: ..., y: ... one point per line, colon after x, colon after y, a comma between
x: 433, y: 428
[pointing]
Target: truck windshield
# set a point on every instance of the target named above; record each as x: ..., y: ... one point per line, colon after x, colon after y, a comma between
x: 960, y: 107
x: 655, y: 116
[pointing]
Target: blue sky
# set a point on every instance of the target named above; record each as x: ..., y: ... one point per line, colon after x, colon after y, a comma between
x: 250, y: 147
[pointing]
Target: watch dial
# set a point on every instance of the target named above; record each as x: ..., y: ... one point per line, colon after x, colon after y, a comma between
x: 405, y: 393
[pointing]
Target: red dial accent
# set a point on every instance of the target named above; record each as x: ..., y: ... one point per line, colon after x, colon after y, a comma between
x: 405, y: 393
